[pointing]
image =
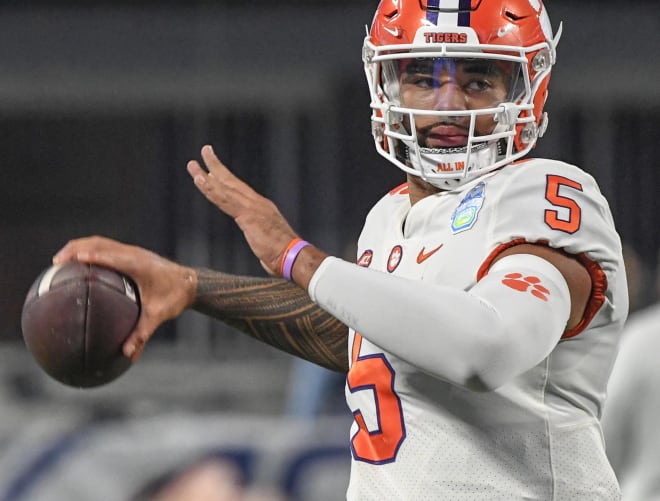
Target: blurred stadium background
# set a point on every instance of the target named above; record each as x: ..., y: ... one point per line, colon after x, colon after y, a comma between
x: 102, y: 104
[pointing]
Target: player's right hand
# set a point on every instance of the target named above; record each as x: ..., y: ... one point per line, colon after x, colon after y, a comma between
x: 266, y: 230
x: 166, y: 288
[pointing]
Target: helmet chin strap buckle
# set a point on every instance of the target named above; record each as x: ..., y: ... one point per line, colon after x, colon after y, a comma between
x: 529, y: 133
x: 509, y: 114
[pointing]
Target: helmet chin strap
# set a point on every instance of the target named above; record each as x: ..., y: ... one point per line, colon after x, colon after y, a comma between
x: 449, y: 168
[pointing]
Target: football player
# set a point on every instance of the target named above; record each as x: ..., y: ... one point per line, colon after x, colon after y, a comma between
x: 480, y: 323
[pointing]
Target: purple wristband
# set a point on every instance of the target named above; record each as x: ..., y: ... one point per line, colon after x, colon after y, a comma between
x: 290, y: 258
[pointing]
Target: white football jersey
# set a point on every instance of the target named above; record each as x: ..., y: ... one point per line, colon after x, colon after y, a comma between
x: 537, y: 437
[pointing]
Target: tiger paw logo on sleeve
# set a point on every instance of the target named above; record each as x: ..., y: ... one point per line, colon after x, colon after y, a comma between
x: 526, y: 283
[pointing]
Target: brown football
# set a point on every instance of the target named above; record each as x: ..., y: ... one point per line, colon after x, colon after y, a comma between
x: 75, y: 319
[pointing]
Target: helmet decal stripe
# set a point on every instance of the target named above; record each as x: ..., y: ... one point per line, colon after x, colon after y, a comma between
x: 464, y: 14
x: 431, y: 11
x: 446, y: 12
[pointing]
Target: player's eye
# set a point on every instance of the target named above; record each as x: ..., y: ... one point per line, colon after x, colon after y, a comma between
x: 423, y: 81
x: 479, y: 85
x: 426, y: 81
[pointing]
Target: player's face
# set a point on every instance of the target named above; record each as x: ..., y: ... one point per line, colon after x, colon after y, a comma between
x: 452, y: 84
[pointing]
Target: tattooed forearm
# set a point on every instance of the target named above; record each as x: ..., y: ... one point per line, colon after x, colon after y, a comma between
x: 276, y: 312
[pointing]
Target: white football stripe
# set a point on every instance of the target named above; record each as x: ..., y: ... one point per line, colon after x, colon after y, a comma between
x: 128, y: 289
x: 44, y: 285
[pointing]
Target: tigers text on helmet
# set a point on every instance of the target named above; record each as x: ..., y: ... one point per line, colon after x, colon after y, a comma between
x: 458, y: 86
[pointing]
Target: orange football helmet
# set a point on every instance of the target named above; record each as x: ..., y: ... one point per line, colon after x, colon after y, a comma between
x: 503, y: 42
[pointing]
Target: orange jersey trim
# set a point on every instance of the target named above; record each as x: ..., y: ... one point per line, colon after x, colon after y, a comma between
x: 355, y: 349
x: 402, y: 189
x: 598, y: 282
x: 521, y: 161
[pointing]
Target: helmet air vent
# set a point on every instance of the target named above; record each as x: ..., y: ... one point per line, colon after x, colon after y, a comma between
x: 513, y: 16
x: 391, y: 10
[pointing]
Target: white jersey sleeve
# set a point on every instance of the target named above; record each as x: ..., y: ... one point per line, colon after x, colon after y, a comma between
x: 557, y: 204
x: 538, y: 435
x: 489, y: 334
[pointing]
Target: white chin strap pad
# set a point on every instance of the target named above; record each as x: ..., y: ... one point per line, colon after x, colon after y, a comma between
x: 448, y: 169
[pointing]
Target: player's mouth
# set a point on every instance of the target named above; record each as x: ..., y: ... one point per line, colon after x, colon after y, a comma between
x: 445, y: 136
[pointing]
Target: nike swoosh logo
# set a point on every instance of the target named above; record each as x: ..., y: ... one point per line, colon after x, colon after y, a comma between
x: 423, y: 256
x: 394, y: 32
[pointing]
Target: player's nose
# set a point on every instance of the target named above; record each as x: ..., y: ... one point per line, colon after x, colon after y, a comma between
x: 449, y: 96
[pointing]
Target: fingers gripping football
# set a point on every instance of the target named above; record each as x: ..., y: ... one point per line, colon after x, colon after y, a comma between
x: 165, y: 288
x: 265, y: 229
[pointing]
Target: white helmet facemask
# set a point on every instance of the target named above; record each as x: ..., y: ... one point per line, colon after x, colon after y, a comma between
x: 403, y: 130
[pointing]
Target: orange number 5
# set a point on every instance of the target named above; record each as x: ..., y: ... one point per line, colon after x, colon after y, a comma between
x: 572, y: 223
x: 373, y: 372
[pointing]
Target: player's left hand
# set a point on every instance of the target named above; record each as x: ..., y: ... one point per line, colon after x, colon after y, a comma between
x: 265, y: 229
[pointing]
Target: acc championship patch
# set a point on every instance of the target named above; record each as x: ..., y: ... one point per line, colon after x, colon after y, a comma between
x: 465, y: 215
